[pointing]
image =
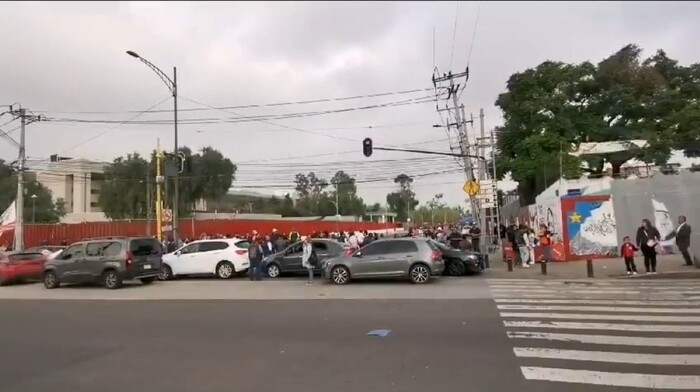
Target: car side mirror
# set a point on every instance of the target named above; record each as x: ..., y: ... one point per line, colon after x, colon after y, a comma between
x: 178, y: 253
x: 358, y: 254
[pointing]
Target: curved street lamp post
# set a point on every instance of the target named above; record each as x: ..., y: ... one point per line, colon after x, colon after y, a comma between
x: 172, y: 86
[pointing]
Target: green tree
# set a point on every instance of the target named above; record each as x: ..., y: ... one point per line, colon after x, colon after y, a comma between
x: 212, y: 175
x: 311, y: 190
x: 349, y: 203
x: 555, y: 107
x: 123, y: 194
x: 40, y: 209
x: 404, y: 200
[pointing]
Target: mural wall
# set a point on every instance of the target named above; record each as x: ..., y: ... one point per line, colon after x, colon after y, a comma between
x: 660, y: 199
x: 590, y: 228
x: 549, y: 213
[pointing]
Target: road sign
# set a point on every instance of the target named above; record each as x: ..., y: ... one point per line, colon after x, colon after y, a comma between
x: 167, y: 215
x: 167, y: 228
x: 471, y: 188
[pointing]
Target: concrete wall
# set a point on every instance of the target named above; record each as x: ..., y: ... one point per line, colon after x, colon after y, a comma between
x: 660, y: 199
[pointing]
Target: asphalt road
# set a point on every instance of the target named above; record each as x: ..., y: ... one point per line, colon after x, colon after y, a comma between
x: 502, y: 335
x: 297, y: 345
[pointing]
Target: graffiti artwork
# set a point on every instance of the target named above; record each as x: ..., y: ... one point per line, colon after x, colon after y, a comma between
x: 592, y: 230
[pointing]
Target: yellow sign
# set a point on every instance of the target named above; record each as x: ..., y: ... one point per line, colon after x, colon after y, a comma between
x: 471, y: 188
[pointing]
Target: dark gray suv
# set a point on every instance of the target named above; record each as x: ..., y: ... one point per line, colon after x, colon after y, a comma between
x: 108, y: 260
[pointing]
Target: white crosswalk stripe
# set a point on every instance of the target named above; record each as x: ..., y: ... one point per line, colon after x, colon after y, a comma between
x: 616, y: 333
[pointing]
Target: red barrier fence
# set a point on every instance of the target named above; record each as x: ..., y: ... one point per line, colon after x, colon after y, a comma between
x: 53, y: 234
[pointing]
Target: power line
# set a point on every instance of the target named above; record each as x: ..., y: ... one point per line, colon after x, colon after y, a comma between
x: 114, y: 127
x: 321, y: 100
x: 476, y: 24
x: 241, y: 118
x: 454, y: 35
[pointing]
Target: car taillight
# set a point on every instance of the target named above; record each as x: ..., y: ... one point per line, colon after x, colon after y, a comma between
x: 436, y: 256
x: 129, y: 258
x: 241, y: 251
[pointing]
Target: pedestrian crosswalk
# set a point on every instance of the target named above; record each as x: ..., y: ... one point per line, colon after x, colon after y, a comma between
x: 617, y: 333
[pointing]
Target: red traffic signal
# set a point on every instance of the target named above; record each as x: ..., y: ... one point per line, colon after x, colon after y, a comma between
x: 367, y: 147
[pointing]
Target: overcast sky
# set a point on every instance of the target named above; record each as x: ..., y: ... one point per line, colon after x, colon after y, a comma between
x: 60, y: 58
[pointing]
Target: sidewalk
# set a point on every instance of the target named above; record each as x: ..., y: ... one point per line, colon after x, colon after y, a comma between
x: 668, y: 267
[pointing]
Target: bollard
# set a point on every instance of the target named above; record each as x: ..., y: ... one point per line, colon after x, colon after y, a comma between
x: 589, y: 267
x: 543, y: 265
x: 510, y: 264
x: 487, y: 264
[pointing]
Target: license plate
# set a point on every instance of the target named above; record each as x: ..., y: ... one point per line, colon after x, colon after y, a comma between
x: 146, y: 266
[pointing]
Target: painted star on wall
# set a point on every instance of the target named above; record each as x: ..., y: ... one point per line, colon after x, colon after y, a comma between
x: 575, y: 217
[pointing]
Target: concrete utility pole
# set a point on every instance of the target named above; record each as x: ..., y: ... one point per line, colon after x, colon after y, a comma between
x: 25, y: 119
x: 456, y: 121
x: 489, y: 194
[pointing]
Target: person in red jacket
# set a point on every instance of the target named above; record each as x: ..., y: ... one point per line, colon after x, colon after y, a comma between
x: 627, y: 252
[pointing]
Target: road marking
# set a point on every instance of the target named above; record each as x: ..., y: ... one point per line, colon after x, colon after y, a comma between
x: 559, y: 291
x: 600, y: 309
x: 592, y: 295
x: 596, y: 281
x: 608, y: 339
x: 575, y: 316
x: 593, y: 302
x: 606, y: 356
x: 603, y: 326
x: 596, y: 288
x: 635, y: 380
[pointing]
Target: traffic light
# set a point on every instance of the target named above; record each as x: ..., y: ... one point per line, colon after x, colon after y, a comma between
x: 367, y: 147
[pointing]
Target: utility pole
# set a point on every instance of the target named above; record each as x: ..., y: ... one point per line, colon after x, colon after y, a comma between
x: 149, y: 210
x: 456, y: 121
x: 176, y: 192
x: 159, y: 185
x: 25, y: 119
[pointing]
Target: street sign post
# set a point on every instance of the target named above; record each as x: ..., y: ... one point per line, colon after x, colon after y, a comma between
x: 167, y: 216
x: 471, y: 188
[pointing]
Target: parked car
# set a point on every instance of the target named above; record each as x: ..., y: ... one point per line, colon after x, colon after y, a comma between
x: 288, y: 261
x: 108, y: 260
x: 460, y: 262
x: 21, y: 266
x: 415, y: 258
x: 221, y: 257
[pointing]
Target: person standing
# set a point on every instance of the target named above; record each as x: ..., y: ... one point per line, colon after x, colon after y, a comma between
x: 307, y: 259
x: 475, y: 233
x: 627, y: 252
x: 546, y: 244
x: 521, y: 239
x: 255, y: 256
x: 647, y: 240
x: 682, y: 234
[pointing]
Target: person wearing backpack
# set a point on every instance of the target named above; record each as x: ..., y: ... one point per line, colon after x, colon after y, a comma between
x: 255, y: 256
x: 309, y: 259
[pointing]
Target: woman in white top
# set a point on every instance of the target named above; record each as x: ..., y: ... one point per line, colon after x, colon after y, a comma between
x: 306, y: 251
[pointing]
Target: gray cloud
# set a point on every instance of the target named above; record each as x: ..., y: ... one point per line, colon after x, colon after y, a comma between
x: 70, y: 57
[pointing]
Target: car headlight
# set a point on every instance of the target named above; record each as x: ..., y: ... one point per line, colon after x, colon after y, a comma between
x: 472, y: 257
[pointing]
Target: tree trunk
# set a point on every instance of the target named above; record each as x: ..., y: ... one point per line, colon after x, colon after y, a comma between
x: 616, y: 168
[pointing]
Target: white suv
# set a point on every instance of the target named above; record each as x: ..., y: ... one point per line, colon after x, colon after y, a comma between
x: 223, y: 258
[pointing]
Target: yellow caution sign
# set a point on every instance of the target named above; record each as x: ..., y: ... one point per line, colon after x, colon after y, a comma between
x: 471, y: 188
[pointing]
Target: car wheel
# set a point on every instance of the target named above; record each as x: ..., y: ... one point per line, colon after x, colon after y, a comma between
x: 456, y: 268
x: 419, y: 274
x: 147, y: 281
x: 273, y: 270
x: 165, y: 273
x: 111, y: 280
x: 51, y: 280
x: 224, y: 270
x: 340, y: 275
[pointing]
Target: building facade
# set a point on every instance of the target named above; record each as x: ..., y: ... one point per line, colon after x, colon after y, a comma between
x: 78, y: 183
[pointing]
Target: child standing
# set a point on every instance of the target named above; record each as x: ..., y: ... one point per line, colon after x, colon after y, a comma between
x: 627, y: 252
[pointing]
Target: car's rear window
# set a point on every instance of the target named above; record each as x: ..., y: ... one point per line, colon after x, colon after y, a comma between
x: 435, y: 246
x: 145, y: 247
x: 25, y: 256
x: 243, y: 244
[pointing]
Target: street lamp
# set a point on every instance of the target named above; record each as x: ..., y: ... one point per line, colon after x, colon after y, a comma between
x: 33, y: 208
x: 172, y: 86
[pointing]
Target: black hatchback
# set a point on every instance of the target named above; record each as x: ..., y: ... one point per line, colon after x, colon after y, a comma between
x: 460, y: 262
x: 288, y: 261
